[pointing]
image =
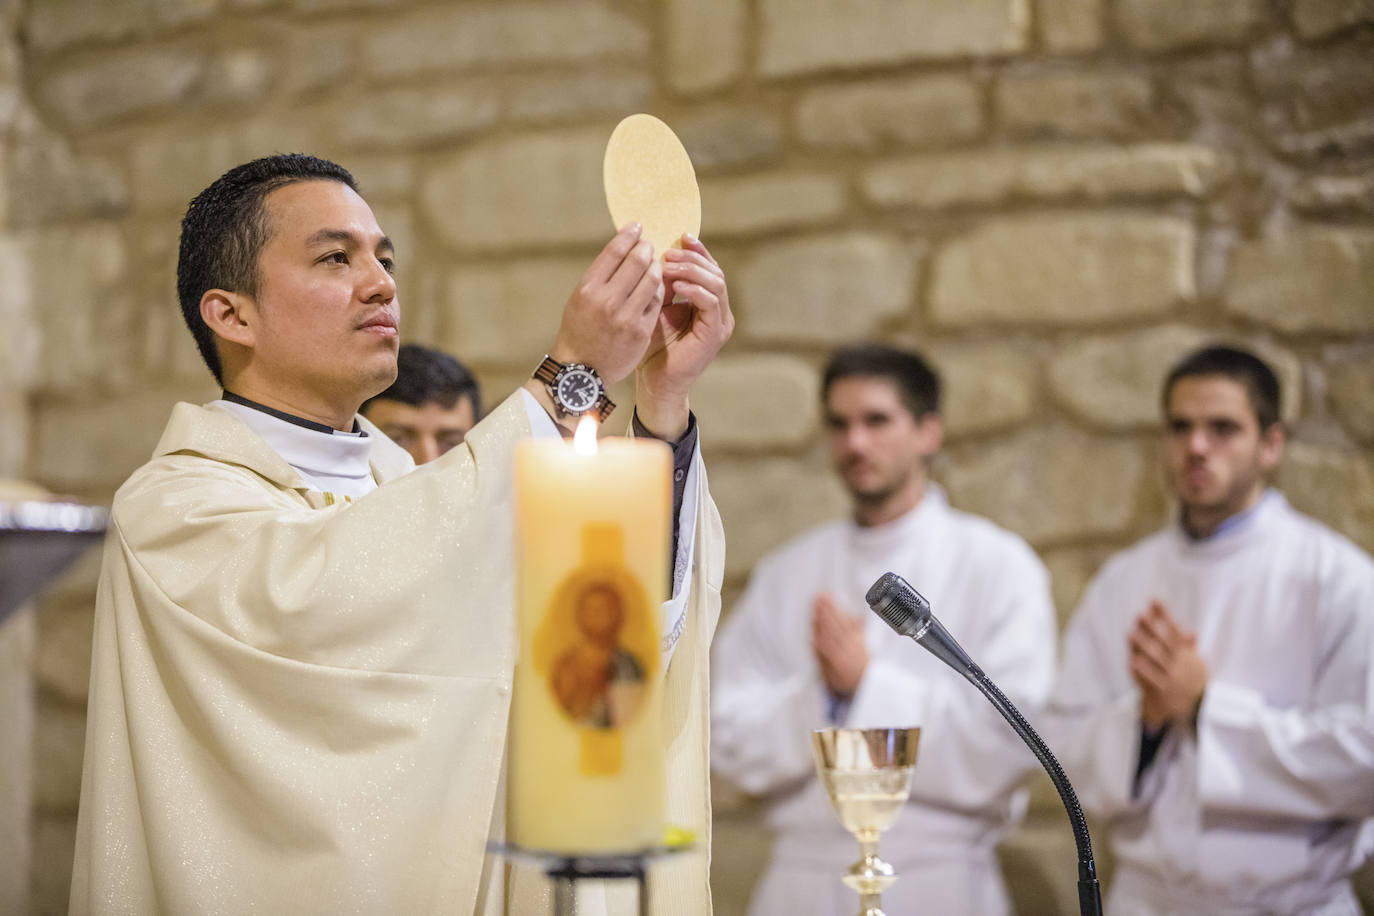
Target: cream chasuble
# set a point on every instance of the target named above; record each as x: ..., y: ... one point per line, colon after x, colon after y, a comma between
x: 299, y: 705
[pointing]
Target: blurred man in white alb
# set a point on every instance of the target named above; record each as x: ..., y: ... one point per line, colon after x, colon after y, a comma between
x: 1217, y: 694
x: 801, y: 650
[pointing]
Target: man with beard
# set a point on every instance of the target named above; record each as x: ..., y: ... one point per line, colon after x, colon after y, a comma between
x: 802, y: 651
x: 1216, y: 696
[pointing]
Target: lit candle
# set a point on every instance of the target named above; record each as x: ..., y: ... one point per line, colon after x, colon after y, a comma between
x: 592, y: 551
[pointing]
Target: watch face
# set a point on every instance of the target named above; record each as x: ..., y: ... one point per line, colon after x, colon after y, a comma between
x: 577, y: 390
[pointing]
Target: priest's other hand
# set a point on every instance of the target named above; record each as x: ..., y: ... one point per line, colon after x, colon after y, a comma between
x: 1166, y: 667
x: 687, y: 336
x: 838, y: 639
x: 610, y: 316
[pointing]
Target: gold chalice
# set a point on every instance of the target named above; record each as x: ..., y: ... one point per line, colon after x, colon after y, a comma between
x: 867, y: 774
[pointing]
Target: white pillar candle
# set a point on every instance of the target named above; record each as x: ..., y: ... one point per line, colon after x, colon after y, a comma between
x: 592, y: 553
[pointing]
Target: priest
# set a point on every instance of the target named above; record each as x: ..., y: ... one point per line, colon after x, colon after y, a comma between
x: 303, y: 645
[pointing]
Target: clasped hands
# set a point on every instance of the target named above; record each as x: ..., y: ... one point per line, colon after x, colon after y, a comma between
x: 838, y: 641
x: 622, y: 318
x: 1165, y: 665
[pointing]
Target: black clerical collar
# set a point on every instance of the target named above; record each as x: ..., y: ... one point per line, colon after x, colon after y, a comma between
x: 289, y: 418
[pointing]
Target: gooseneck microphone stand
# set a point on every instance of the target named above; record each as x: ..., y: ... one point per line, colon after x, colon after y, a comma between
x: 907, y: 612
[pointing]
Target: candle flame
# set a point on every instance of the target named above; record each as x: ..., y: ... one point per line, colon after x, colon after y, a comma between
x: 584, y: 439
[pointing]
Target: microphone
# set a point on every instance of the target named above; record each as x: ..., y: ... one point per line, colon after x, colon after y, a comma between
x: 908, y: 612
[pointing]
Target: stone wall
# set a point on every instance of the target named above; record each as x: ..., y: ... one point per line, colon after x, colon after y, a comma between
x: 1053, y: 198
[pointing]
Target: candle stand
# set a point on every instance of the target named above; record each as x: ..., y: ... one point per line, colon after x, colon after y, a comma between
x: 566, y: 869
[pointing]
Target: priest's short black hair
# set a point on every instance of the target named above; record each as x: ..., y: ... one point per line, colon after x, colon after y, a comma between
x: 428, y: 376
x: 917, y: 383
x: 225, y: 229
x: 1241, y: 366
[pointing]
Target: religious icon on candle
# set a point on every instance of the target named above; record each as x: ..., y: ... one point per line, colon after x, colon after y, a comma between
x: 595, y: 648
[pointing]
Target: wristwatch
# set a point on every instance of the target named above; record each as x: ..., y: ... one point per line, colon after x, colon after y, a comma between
x: 576, y: 389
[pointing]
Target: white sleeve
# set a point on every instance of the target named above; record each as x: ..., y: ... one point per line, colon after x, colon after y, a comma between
x: 1315, y: 762
x: 970, y: 758
x: 675, y: 608
x: 541, y: 424
x: 1094, y: 725
x: 763, y: 703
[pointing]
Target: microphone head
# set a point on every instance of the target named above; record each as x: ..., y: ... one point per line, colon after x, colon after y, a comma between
x: 899, y: 605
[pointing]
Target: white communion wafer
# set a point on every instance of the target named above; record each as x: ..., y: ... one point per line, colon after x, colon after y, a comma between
x: 649, y: 180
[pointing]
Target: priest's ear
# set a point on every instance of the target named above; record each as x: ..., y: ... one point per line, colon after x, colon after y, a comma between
x: 232, y: 316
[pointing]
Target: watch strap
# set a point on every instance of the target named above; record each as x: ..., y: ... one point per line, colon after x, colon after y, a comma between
x: 547, y: 371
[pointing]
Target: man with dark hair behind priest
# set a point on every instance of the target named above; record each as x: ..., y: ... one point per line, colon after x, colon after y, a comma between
x: 430, y: 407
x: 801, y: 650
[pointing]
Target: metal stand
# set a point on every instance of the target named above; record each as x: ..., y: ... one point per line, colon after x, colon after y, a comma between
x: 565, y: 870
x: 38, y: 540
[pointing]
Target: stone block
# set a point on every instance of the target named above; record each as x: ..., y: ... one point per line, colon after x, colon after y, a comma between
x: 823, y: 290
x: 1334, y: 485
x: 1162, y: 25
x: 1063, y: 270
x: 1349, y: 385
x: 1310, y: 279
x: 315, y: 6
x: 319, y: 57
x: 48, y: 183
x: 565, y: 96
x: 400, y: 119
x: 1071, y: 569
x: 169, y: 167
x: 731, y: 137
x: 1049, y: 484
x: 985, y: 386
x: 62, y: 666
x: 1333, y: 194
x: 95, y: 445
x: 1068, y: 26
x: 1307, y: 88
x: 86, y: 316
x: 1320, y: 18
x: 850, y: 34
x: 54, y: 847
x: 758, y: 402
x: 14, y: 432
x: 706, y: 41
x: 55, y: 24
x: 915, y: 111
x: 21, y: 346
x: 506, y: 313
x: 240, y: 76
x: 1114, y: 381
x: 526, y: 191
x: 468, y: 36
x: 764, y: 502
x: 1096, y: 173
x: 1113, y: 104
x: 770, y: 201
x: 59, y: 739
x: 122, y: 84
x: 382, y: 175
x: 1347, y: 142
